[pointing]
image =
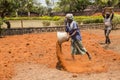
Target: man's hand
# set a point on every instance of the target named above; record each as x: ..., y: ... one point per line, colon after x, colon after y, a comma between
x: 112, y: 12
x: 103, y: 11
x: 68, y: 37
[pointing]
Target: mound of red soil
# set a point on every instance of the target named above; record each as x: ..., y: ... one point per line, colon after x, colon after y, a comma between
x: 101, y: 58
x: 41, y: 49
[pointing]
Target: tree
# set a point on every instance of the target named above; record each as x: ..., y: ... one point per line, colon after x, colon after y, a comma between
x: 107, y: 3
x: 118, y: 5
x: 66, y: 5
x: 38, y: 8
x: 73, y: 5
x: 81, y: 4
x: 100, y: 4
x: 6, y: 7
x: 28, y: 6
x: 49, y: 6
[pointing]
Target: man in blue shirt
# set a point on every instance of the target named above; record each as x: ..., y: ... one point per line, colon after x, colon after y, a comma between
x: 74, y: 33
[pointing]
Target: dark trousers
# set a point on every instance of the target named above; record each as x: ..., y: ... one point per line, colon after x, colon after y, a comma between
x: 107, y: 32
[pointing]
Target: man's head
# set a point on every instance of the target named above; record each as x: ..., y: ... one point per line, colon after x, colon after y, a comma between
x: 107, y: 14
x: 69, y: 17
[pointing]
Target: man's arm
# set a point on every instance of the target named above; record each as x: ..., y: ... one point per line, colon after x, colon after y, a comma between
x: 103, y: 13
x: 73, y: 33
x: 112, y: 15
x: 75, y: 27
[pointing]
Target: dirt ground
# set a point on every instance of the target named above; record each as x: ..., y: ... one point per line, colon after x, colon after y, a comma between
x: 33, y: 57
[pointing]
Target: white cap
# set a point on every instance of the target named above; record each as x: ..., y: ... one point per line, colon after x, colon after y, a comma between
x: 69, y: 16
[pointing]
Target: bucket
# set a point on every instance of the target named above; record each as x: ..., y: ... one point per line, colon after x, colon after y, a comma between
x: 108, y: 9
x: 62, y: 37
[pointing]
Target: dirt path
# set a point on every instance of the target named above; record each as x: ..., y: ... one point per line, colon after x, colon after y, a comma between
x: 114, y: 36
x: 29, y: 71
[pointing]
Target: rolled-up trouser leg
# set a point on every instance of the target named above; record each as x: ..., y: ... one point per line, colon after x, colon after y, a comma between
x: 105, y: 36
x: 80, y: 48
x: 107, y: 32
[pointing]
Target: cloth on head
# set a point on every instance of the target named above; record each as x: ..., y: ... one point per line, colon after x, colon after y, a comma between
x: 69, y: 16
x: 107, y: 12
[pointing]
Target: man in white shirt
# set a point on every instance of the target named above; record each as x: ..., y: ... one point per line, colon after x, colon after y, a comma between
x: 108, y: 24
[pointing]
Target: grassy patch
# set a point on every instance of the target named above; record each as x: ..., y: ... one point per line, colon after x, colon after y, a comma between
x: 60, y: 20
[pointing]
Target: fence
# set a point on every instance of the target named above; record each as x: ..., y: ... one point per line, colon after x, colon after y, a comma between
x: 18, y: 31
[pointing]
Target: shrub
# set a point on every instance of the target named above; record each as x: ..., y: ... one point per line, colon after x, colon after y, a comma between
x: 46, y: 18
x: 60, y: 22
x: 56, y: 18
x: 1, y: 22
x: 46, y: 23
x: 116, y: 21
x: 93, y: 20
x: 80, y: 19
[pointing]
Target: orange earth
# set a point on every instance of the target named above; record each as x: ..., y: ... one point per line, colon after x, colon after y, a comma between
x: 42, y: 49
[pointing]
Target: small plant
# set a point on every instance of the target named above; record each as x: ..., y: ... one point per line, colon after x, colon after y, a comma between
x: 59, y: 23
x: 1, y: 22
x: 46, y: 23
x: 46, y: 18
x: 56, y: 18
x: 92, y: 20
x: 116, y: 21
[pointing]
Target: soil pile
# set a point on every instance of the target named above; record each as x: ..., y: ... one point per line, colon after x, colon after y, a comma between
x: 101, y: 58
x: 41, y: 49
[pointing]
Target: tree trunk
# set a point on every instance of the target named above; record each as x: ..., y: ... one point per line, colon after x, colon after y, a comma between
x: 21, y: 23
x: 5, y: 21
x: 28, y: 14
x: 16, y: 13
x: 8, y: 24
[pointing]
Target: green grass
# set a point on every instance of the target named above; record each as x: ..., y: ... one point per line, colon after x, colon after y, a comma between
x: 79, y: 19
x: 55, y: 18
